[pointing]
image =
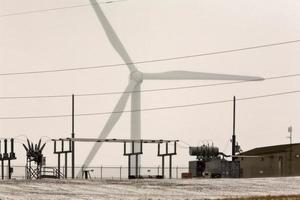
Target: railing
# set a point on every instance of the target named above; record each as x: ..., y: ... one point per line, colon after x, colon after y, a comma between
x: 101, y: 172
x: 51, y: 172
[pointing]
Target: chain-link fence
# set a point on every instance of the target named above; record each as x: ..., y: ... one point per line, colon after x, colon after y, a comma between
x: 104, y: 172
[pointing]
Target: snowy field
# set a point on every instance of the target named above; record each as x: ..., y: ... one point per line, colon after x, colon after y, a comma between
x: 183, y: 189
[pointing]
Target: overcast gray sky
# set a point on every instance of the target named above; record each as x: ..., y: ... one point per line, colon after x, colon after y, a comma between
x: 150, y: 29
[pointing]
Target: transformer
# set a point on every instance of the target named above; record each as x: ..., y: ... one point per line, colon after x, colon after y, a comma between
x: 210, y: 164
x: 34, y: 155
x: 204, y: 152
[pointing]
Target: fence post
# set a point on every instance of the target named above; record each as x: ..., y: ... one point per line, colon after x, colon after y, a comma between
x: 120, y: 172
x: 177, y: 172
x: 158, y: 170
x: 58, y: 165
x: 101, y: 171
x: 139, y: 171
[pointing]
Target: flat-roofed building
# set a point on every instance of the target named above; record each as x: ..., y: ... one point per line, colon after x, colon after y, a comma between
x: 270, y: 161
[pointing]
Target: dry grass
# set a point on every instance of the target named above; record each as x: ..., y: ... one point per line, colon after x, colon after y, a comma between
x: 289, y: 197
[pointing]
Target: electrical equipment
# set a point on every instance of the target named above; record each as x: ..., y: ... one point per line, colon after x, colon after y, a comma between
x: 5, y: 156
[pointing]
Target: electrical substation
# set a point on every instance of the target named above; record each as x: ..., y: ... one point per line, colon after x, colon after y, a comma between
x: 133, y: 149
x: 36, y: 162
x: 209, y: 162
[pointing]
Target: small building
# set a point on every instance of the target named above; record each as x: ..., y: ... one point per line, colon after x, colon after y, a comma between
x: 270, y: 161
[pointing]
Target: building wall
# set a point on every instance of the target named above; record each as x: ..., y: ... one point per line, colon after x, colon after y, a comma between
x: 226, y: 169
x: 215, y: 168
x: 271, y: 165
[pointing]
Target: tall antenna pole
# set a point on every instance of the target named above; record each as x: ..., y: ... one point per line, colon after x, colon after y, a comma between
x: 73, y: 142
x: 290, y: 130
x: 233, y: 133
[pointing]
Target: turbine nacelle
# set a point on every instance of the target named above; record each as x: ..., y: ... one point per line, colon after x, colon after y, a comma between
x: 136, y: 76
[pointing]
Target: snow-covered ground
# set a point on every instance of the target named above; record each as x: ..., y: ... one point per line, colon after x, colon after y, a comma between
x: 148, y: 189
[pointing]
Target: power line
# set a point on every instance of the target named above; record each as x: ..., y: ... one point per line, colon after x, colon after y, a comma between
x: 148, y: 90
x: 149, y: 61
x: 54, y: 9
x: 152, y: 109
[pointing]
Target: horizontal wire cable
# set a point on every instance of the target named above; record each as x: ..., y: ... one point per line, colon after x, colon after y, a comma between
x: 154, y: 108
x: 54, y: 9
x: 150, y: 61
x: 147, y: 90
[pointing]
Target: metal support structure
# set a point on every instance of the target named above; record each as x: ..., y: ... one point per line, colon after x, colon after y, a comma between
x: 136, y: 152
x: 136, y: 165
x: 73, y: 142
x: 2, y: 169
x: 58, y: 165
x: 12, y: 145
x: 168, y: 154
x: 163, y: 166
x: 115, y: 140
x: 86, y: 174
x: 233, y: 134
x: 129, y: 166
x: 7, y: 156
x: 170, y: 166
x: 66, y: 165
x: 136, y: 158
x: 65, y: 148
x: 9, y: 170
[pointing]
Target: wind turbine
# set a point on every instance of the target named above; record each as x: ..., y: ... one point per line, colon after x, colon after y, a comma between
x: 135, y: 80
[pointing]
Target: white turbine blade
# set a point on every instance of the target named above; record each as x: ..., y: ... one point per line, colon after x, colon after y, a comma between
x: 111, y: 122
x: 112, y: 36
x: 188, y: 75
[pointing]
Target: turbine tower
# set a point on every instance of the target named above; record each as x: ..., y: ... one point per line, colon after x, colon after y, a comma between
x: 135, y: 80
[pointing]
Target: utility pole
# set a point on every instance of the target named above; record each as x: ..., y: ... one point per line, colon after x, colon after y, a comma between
x: 290, y: 130
x: 73, y: 142
x: 233, y: 140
